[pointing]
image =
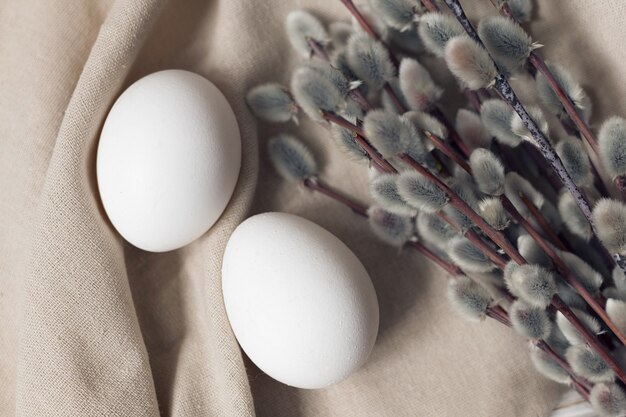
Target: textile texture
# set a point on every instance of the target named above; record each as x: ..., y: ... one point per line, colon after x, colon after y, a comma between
x: 91, y: 326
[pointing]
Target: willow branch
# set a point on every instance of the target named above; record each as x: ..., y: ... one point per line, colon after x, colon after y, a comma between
x: 562, y: 267
x: 508, y: 94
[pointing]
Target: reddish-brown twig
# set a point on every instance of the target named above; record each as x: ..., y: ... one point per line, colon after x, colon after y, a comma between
x: 539, y: 217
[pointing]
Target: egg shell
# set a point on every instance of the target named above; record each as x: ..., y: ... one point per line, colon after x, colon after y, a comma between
x: 300, y: 303
x: 168, y: 159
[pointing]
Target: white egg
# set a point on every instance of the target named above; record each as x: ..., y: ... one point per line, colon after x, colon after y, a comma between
x: 300, y: 303
x: 168, y: 160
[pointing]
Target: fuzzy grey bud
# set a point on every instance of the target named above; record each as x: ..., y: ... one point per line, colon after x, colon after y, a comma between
x: 369, y: 60
x: 398, y: 14
x: 301, y: 25
x: 588, y: 364
x: 574, y: 219
x: 547, y: 367
x: 531, y: 251
x: 573, y: 90
x: 570, y: 296
x: 418, y: 88
x: 469, y: 298
x: 344, y: 138
x: 271, y: 102
x: 496, y: 115
x: 466, y: 194
x: 515, y: 186
x: 391, y: 228
x: 373, y: 19
x: 436, y: 29
x: 472, y: 130
x: 589, y: 277
x: 616, y: 309
x: 332, y: 74
x: 488, y: 172
x: 529, y: 321
x: 388, y: 102
x: 571, y: 333
x: 420, y: 192
x: 424, y: 122
x: 576, y: 161
x: 470, y: 62
x: 608, y: 400
x: 521, y: 9
x: 532, y: 283
x: 433, y: 229
x: 609, y: 216
x: 384, y: 190
x: 314, y: 92
x: 468, y: 256
x: 612, y: 145
x: 291, y: 158
x: 388, y: 132
x: 506, y: 41
x: 492, y: 210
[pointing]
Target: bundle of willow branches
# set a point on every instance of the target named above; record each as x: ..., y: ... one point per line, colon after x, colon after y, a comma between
x: 529, y: 253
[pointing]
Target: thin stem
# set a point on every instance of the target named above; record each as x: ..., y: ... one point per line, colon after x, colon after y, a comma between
x: 360, y: 99
x: 539, y: 217
x: 508, y: 94
x: 430, y: 5
x: 493, y: 314
x: 581, y: 389
x: 458, y: 203
x: 474, y: 98
x: 448, y: 151
x: 359, y: 137
x: 454, y: 135
x: 565, y: 271
x: 447, y: 266
x: 394, y: 97
x: 317, y: 49
x: 478, y: 241
x: 315, y: 184
x: 491, y: 253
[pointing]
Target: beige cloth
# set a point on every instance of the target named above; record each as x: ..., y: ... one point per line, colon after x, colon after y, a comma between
x: 90, y: 326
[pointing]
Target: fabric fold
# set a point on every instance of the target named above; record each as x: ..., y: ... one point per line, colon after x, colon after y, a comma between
x: 81, y: 350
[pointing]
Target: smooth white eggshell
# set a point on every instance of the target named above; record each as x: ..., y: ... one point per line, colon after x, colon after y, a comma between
x: 300, y: 303
x: 168, y: 159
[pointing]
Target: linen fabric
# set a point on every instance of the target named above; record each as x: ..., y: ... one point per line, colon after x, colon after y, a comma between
x: 91, y: 326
